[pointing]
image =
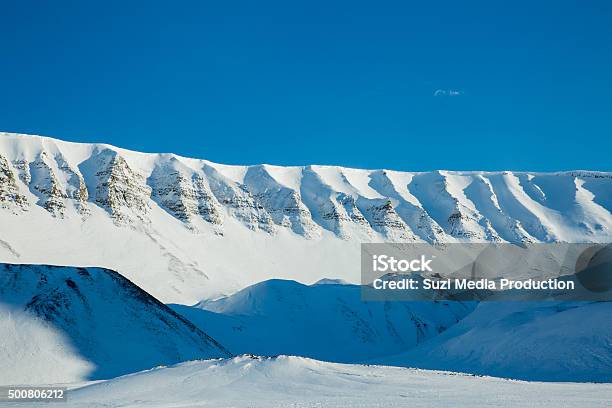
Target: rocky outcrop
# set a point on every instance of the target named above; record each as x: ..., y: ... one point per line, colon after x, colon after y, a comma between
x: 208, y: 206
x: 53, y: 181
x: 286, y: 209
x: 119, y: 189
x: 333, y: 217
x: 394, y: 185
x: 338, y: 213
x: 349, y: 205
x: 463, y: 225
x: 239, y: 202
x: 245, y: 207
x: 10, y: 197
x: 341, y: 215
x: 45, y: 185
x: 185, y: 196
x: 284, y: 204
x: 76, y: 189
x: 383, y: 218
x: 174, y: 192
x: 23, y: 170
x: 427, y: 228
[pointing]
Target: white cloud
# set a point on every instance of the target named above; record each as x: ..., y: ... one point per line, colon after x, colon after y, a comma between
x: 447, y: 92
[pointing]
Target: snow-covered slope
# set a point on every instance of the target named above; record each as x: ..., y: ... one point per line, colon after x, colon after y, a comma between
x: 325, y: 321
x: 300, y: 382
x: 61, y: 324
x: 545, y: 341
x: 541, y: 341
x: 186, y: 229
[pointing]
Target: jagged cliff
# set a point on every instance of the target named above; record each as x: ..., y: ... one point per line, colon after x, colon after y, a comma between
x: 10, y: 197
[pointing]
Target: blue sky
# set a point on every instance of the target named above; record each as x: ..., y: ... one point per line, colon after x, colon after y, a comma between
x: 522, y: 86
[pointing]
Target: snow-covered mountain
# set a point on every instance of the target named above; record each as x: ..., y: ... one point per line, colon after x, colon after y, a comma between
x: 187, y: 229
x: 323, y: 321
x: 93, y: 323
x: 62, y: 324
x: 537, y: 341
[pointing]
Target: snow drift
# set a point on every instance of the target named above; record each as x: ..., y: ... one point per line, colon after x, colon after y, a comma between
x: 283, y: 381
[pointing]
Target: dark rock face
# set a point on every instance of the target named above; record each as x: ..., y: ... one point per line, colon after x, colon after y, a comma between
x: 239, y: 201
x: 175, y: 193
x: 183, y: 195
x: 23, y: 169
x: 384, y: 219
x: 53, y: 181
x: 286, y: 209
x: 46, y: 186
x: 10, y: 197
x: 207, y: 205
x: 76, y: 189
x: 119, y: 189
x: 349, y: 205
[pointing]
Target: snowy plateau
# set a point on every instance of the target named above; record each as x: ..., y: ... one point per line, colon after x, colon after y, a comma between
x: 140, y: 279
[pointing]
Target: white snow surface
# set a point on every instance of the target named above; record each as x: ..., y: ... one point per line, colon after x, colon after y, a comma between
x: 286, y: 381
x: 34, y: 352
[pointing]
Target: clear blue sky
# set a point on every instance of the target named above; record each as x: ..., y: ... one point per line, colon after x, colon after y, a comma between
x: 330, y: 82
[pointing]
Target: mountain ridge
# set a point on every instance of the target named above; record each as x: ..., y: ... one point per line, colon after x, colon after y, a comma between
x: 436, y: 206
x: 188, y: 229
x: 179, y: 156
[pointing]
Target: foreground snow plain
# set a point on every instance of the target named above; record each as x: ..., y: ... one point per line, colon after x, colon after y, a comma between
x: 284, y: 381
